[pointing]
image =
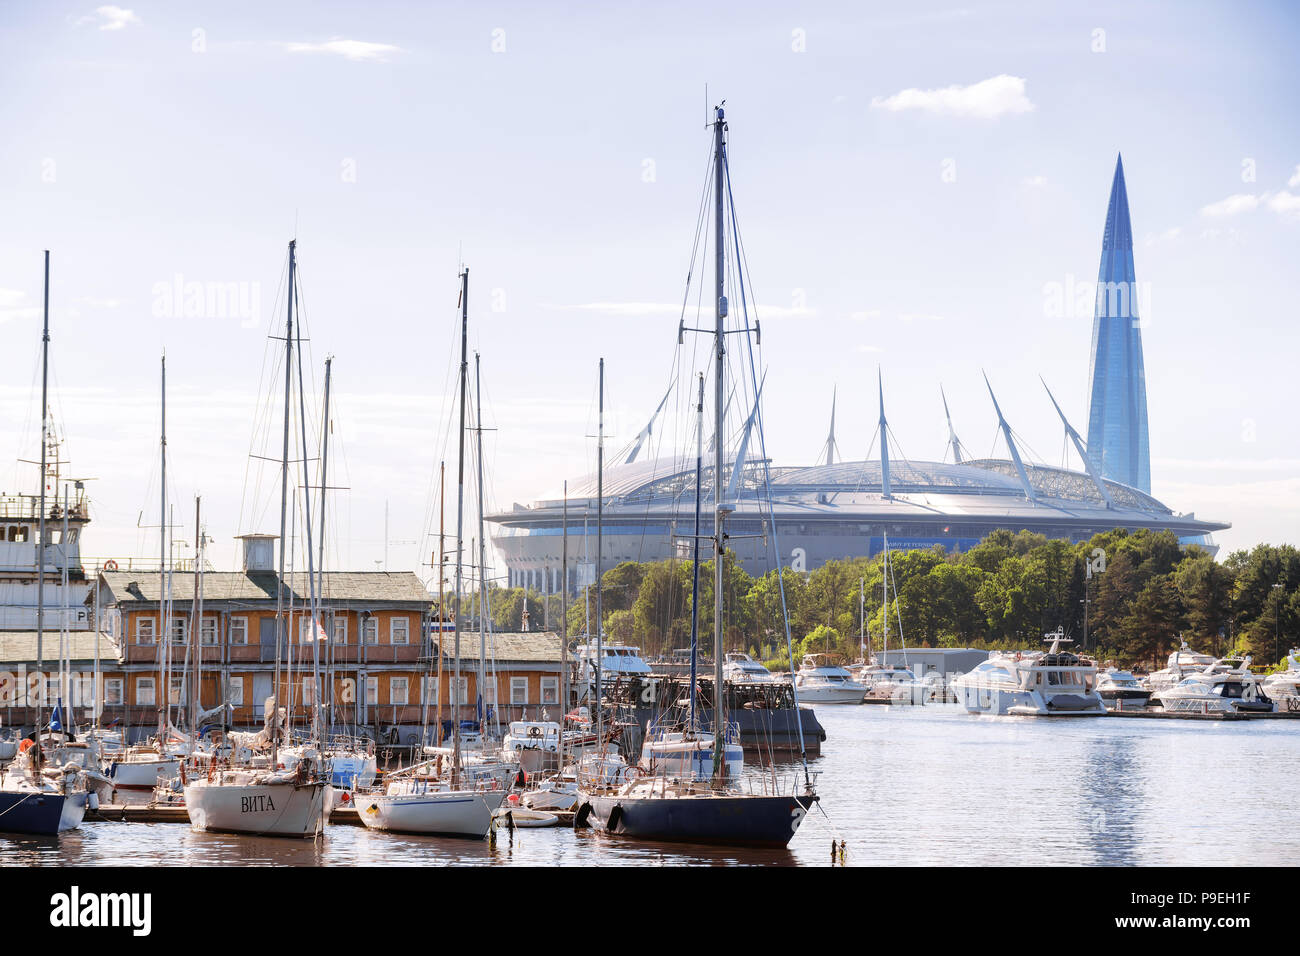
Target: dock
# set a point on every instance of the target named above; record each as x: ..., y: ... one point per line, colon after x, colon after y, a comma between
x: 1166, y: 715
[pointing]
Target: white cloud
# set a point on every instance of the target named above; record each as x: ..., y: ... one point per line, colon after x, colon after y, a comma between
x: 1284, y: 203
x: 1294, y: 181
x: 110, y: 18
x: 11, y: 308
x: 1035, y: 181
x: 351, y: 49
x: 1168, y: 235
x: 986, y: 99
x: 1238, y: 203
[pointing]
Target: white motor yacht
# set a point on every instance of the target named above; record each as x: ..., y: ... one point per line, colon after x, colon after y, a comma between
x: 821, y: 681
x: 1121, y: 689
x: 1226, y: 686
x: 1181, y: 663
x: 740, y: 667
x: 1055, y: 683
x: 1285, y: 685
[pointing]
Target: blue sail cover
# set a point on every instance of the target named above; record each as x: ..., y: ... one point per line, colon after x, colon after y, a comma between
x: 1118, y: 442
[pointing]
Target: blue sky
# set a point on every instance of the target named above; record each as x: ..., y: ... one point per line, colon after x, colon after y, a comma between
x: 914, y: 183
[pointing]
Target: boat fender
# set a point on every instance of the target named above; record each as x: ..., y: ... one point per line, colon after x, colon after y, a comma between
x: 582, y: 816
x: 615, y: 817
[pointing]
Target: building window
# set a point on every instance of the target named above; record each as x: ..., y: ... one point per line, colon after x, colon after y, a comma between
x: 178, y: 630
x: 83, y: 693
x: 340, y: 629
x: 309, y: 691
x: 370, y: 630
x: 208, y: 631
x: 239, y: 630
x: 519, y: 690
x: 431, y: 690
x: 113, y: 692
x: 144, y: 630
x: 397, y: 690
x: 550, y: 690
x: 177, y: 694
x: 237, y: 691
x: 372, y: 691
x: 144, y: 691
x: 489, y: 690
x: 462, y: 691
x: 399, y: 630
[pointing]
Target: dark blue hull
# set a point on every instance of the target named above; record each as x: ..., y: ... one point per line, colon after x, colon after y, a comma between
x: 40, y: 813
x: 759, y: 821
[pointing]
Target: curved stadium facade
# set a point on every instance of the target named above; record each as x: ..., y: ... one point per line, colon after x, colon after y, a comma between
x: 822, y: 512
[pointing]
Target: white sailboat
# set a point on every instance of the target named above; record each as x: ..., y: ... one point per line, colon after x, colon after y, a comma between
x: 268, y: 802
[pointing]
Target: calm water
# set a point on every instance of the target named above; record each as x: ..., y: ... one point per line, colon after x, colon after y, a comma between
x: 903, y: 785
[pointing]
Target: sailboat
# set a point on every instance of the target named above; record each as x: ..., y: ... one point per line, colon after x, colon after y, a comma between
x: 35, y: 797
x: 710, y: 811
x: 254, y: 800
x: 422, y: 799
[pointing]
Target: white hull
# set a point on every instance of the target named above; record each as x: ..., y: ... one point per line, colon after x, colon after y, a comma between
x: 852, y: 694
x: 692, y: 760
x: 261, y: 809
x: 143, y: 774
x: 464, y: 813
x: 1001, y: 701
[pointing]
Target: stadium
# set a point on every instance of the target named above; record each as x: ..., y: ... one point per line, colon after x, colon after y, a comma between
x: 845, y: 509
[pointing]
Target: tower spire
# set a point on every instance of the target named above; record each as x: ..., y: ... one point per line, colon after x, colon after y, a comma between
x: 1118, y: 440
x: 830, y: 439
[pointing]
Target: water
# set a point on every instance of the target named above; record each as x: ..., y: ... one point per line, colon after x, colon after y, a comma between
x: 903, y: 785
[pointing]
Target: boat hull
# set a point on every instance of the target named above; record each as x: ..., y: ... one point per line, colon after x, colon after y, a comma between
x: 457, y: 813
x: 259, y: 809
x: 831, y: 695
x: 142, y: 775
x: 759, y: 821
x: 40, y: 813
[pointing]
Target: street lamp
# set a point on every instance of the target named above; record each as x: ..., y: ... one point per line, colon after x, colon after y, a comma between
x: 1277, y: 648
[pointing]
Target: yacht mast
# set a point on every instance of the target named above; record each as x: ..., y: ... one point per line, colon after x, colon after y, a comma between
x: 600, y: 534
x: 281, y: 626
x: 460, y: 521
x: 320, y: 561
x: 719, y: 399
x: 695, y: 559
x: 164, y: 635
x: 564, y: 619
x: 40, y: 533
x: 482, y: 560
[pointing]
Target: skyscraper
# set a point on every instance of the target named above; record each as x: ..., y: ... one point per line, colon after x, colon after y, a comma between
x: 1118, y: 442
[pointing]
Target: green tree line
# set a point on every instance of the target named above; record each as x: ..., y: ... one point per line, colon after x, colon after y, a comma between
x: 1144, y: 594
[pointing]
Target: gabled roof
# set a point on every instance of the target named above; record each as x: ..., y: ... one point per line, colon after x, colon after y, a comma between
x: 18, y: 646
x: 135, y: 587
x: 543, y: 646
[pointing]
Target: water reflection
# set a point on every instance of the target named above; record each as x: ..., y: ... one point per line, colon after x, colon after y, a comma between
x: 902, y: 785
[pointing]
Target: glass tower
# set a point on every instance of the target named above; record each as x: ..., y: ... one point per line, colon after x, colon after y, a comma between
x: 1118, y: 442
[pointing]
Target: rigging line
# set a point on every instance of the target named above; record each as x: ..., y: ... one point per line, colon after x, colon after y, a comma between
x: 767, y: 484
x: 256, y: 424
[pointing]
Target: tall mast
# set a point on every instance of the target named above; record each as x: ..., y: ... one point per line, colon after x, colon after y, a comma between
x: 564, y: 618
x: 482, y: 553
x: 442, y: 613
x: 885, y: 599
x: 320, y: 561
x: 196, y: 622
x: 695, y: 560
x: 313, y: 605
x: 600, y: 537
x: 460, y: 520
x: 280, y: 625
x: 164, y: 635
x: 719, y: 397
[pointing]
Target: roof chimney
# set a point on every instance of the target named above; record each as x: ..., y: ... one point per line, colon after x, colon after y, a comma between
x: 259, y: 552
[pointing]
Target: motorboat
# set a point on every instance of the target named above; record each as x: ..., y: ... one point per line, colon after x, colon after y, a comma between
x: 1121, y: 689
x: 614, y: 662
x: 554, y: 793
x: 740, y: 667
x: 1180, y: 664
x: 1285, y: 684
x: 1226, y: 686
x: 888, y: 683
x: 534, y: 744
x: 820, y: 680
x: 1055, y: 683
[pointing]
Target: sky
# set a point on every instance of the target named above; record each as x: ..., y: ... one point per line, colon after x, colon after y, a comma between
x: 921, y: 190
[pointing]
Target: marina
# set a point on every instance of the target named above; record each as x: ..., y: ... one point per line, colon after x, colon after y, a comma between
x: 943, y: 775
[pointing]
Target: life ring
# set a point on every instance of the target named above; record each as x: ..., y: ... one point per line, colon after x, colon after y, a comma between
x: 25, y: 746
x: 534, y: 731
x: 110, y: 565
